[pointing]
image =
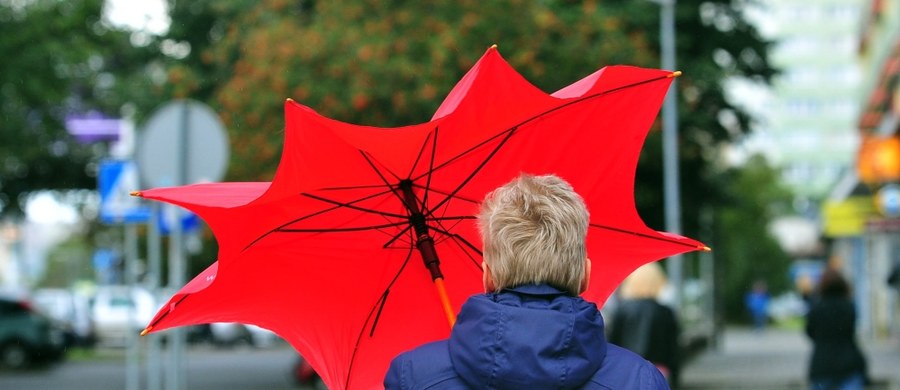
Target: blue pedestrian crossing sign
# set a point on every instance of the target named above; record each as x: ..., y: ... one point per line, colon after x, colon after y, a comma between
x: 115, y: 181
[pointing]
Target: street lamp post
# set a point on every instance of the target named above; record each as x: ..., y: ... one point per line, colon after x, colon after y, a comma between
x: 671, y: 190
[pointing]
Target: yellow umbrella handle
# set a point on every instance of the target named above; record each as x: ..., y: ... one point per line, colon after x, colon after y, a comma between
x: 445, y: 301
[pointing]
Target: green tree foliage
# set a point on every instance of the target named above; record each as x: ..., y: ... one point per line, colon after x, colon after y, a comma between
x: 59, y: 58
x: 379, y: 63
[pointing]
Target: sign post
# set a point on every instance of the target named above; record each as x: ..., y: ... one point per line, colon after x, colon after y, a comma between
x: 184, y: 142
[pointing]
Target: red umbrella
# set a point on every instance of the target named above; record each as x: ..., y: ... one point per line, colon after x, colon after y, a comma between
x: 340, y: 254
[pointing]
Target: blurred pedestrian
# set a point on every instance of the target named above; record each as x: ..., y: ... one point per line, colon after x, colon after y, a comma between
x: 757, y: 302
x: 642, y: 324
x: 837, y: 362
x: 530, y: 330
x: 893, y: 278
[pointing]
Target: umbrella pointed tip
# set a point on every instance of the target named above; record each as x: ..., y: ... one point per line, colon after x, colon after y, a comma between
x: 146, y: 330
x: 289, y: 100
x: 675, y: 74
x: 705, y: 248
x: 494, y: 46
x: 136, y: 193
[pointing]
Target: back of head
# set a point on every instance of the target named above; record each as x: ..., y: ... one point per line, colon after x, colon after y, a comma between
x: 833, y: 284
x: 534, y: 230
x: 645, y: 282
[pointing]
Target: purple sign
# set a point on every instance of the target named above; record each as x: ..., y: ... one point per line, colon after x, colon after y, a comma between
x: 93, y: 127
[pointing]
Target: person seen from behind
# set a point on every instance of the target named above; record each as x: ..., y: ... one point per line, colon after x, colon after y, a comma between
x: 640, y: 323
x: 837, y: 362
x: 530, y: 330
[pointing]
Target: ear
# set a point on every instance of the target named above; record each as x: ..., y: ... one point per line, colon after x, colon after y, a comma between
x: 487, y: 279
x: 585, y: 283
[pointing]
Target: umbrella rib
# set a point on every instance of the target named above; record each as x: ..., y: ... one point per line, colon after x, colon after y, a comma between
x: 380, y: 175
x: 465, y: 152
x: 362, y: 187
x: 397, y: 236
x: 472, y: 201
x: 173, y: 306
x: 474, y: 172
x: 351, y: 206
x: 295, y: 220
x: 342, y: 230
x: 430, y: 169
x: 379, y: 305
x: 618, y: 230
x: 419, y: 156
x: 454, y: 237
x: 454, y: 218
x: 588, y: 97
x: 387, y: 291
x: 371, y: 163
x: 512, y: 129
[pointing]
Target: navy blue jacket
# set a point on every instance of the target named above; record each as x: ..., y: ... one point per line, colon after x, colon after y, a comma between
x: 528, y: 337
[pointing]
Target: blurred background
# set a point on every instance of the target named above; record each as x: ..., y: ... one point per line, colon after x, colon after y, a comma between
x: 781, y: 152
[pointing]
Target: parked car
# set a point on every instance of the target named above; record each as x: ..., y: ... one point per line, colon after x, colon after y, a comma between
x: 70, y: 309
x: 233, y: 333
x: 117, y: 310
x: 26, y: 335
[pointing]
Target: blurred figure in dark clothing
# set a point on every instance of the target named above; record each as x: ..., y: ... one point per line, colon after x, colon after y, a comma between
x: 643, y: 325
x: 837, y: 362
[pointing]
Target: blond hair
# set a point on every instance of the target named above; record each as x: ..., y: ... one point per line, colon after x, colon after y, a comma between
x: 534, y: 230
x: 645, y: 282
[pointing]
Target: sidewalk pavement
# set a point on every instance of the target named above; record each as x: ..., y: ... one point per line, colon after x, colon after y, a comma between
x: 778, y: 359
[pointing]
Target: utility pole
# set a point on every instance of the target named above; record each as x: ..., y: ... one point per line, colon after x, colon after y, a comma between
x: 671, y: 190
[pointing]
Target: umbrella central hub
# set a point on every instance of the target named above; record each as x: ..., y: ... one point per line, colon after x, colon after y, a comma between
x: 424, y: 242
x: 417, y: 221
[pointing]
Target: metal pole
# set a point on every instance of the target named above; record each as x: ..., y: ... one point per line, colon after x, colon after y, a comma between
x: 132, y: 364
x: 177, y: 379
x: 670, y: 145
x: 154, y: 352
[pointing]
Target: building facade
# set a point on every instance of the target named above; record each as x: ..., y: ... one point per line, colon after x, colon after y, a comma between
x: 807, y: 129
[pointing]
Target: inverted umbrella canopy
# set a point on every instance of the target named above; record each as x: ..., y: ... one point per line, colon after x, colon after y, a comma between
x: 339, y: 252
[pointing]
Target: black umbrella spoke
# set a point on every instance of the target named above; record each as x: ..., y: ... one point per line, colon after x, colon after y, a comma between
x: 507, y: 133
x: 351, y: 206
x: 397, y: 236
x: 166, y: 313
x: 393, y: 188
x: 441, y: 228
x: 419, y: 156
x: 456, y: 222
x: 463, y: 244
x: 539, y: 115
x: 430, y: 170
x: 658, y: 238
x: 388, y: 289
x: 445, y: 230
x: 350, y: 188
x: 320, y: 212
x: 375, y: 312
x: 453, y: 218
x: 372, y: 163
x: 474, y: 171
x: 464, y: 153
x: 445, y: 193
x: 586, y: 98
x: 342, y: 229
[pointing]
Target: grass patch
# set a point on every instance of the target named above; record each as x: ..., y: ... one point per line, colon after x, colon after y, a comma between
x: 80, y: 354
x: 791, y: 323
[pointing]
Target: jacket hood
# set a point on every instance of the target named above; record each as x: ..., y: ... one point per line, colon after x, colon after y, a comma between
x: 532, y: 336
